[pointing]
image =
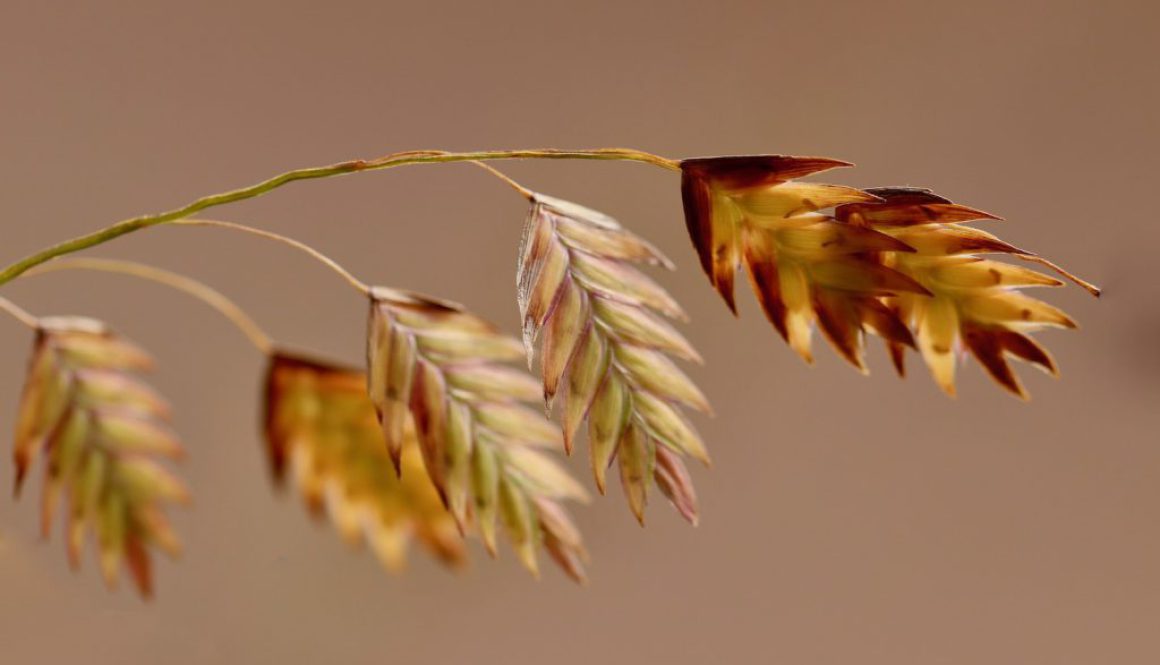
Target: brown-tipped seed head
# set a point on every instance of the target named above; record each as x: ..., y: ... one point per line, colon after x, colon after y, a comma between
x: 974, y: 304
x: 895, y: 261
x: 805, y: 267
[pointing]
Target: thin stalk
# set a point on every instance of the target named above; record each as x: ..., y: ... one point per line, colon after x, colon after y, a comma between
x: 19, y: 313
x: 355, y: 282
x: 344, y: 168
x: 199, y: 290
x: 523, y: 191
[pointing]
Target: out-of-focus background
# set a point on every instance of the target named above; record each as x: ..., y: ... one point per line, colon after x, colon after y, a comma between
x: 846, y: 519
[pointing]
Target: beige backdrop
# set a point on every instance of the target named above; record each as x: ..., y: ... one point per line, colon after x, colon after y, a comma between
x: 847, y: 519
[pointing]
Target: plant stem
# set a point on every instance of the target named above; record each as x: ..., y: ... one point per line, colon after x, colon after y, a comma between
x: 357, y: 166
x: 19, y: 313
x: 191, y: 286
x: 523, y: 191
x: 358, y: 284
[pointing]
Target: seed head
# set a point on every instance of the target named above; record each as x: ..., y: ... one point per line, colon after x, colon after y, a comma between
x: 102, y: 431
x: 321, y: 431
x: 975, y: 304
x: 603, y: 341
x: 433, y: 363
x: 897, y: 262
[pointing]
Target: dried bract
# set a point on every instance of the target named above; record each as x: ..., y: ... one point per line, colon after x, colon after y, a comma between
x: 102, y: 431
x: 893, y: 261
x: 804, y: 265
x: 483, y: 447
x: 605, y: 344
x: 975, y: 304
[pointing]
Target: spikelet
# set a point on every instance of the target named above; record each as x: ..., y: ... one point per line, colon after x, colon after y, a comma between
x: 804, y: 266
x: 101, y: 431
x: 602, y: 344
x: 321, y: 430
x: 483, y: 448
x: 975, y: 303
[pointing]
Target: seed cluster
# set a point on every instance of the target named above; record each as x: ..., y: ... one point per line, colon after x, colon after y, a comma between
x: 603, y: 345
x: 897, y: 262
x: 433, y: 362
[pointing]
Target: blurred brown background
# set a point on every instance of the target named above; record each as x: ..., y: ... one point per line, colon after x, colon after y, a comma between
x: 847, y: 519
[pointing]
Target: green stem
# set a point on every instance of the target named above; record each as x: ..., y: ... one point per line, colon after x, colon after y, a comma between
x: 396, y: 159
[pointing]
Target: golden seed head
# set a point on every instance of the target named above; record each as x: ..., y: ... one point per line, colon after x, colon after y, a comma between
x: 897, y: 262
x: 322, y: 432
x: 975, y: 304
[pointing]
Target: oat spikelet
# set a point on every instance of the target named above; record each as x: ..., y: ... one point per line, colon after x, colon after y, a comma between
x: 483, y: 447
x: 976, y: 304
x: 804, y: 266
x: 321, y: 431
x: 603, y: 344
x: 101, y: 431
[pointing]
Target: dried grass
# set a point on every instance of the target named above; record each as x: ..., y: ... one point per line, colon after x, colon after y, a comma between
x: 438, y: 439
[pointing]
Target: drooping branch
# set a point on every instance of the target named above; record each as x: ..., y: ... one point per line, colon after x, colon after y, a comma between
x: 897, y: 262
x: 344, y: 168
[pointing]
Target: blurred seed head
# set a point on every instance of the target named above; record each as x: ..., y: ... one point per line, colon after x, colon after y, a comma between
x: 102, y: 433
x: 322, y: 434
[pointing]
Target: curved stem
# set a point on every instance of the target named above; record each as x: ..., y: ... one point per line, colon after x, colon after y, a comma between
x: 388, y: 161
x: 19, y: 313
x: 202, y: 292
x: 358, y: 284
